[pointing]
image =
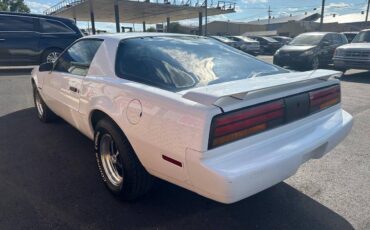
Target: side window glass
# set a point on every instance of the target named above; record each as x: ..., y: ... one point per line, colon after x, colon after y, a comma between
x: 16, y: 23
x: 52, y: 26
x: 77, y: 59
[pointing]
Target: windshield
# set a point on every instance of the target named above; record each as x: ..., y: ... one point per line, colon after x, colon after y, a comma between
x: 307, y: 40
x: 246, y: 39
x: 179, y: 62
x: 223, y: 39
x: 362, y: 37
x: 269, y: 39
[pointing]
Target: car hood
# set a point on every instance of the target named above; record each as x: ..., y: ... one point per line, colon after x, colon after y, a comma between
x: 242, y: 89
x: 356, y: 46
x: 288, y: 48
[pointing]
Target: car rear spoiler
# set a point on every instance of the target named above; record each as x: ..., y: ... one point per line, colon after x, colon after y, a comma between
x: 209, y: 95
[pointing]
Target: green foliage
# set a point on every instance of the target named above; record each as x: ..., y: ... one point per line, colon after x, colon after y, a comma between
x: 14, y: 6
x: 175, y: 27
x: 151, y: 29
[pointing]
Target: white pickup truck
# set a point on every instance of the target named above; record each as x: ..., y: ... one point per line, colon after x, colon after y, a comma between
x: 190, y: 110
x: 355, y: 55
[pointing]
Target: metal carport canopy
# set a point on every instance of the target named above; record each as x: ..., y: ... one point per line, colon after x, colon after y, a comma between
x: 136, y: 11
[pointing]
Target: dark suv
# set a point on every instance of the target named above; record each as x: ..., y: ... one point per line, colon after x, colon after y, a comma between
x: 29, y: 39
x: 310, y: 50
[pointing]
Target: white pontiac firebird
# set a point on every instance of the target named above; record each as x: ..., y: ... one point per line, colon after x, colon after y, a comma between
x: 190, y: 110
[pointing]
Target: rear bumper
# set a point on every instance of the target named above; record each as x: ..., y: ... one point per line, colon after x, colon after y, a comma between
x: 238, y: 170
x: 350, y: 63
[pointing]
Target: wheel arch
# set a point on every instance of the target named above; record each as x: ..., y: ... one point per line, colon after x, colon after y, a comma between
x: 96, y: 115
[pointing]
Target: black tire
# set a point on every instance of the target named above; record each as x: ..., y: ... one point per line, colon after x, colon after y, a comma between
x: 136, y: 181
x: 44, y: 114
x: 48, y: 52
x: 315, y: 63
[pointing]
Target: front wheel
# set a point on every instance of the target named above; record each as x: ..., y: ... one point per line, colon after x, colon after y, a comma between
x: 315, y: 63
x: 119, y: 167
x: 43, y: 112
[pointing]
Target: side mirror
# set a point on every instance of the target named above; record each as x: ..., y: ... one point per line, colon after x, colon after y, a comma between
x: 47, y: 66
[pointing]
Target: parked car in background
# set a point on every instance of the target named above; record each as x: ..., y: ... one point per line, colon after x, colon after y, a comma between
x: 309, y: 50
x: 226, y: 41
x: 350, y: 35
x: 268, y: 45
x: 31, y: 39
x: 190, y: 111
x: 355, y: 55
x: 246, y: 44
x: 282, y: 39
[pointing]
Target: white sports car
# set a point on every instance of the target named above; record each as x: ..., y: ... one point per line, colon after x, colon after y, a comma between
x: 190, y: 110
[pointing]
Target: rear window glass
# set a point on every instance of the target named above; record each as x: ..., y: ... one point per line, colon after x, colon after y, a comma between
x: 52, y: 26
x: 181, y: 62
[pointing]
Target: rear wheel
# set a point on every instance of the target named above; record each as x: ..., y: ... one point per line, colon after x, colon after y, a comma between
x: 50, y: 55
x: 121, y: 170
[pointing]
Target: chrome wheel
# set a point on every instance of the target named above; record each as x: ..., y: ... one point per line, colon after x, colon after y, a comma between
x: 315, y: 63
x: 39, y: 107
x: 52, y: 57
x: 110, y: 159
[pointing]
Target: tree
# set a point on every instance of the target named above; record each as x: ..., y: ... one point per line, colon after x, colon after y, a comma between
x: 14, y: 6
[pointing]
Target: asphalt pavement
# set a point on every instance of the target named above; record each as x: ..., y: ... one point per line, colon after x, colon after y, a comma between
x: 49, y: 179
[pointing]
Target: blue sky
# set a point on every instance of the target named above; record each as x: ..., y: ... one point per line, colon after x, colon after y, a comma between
x: 248, y: 10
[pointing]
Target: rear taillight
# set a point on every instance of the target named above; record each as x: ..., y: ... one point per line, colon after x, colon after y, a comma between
x: 324, y: 98
x: 236, y: 125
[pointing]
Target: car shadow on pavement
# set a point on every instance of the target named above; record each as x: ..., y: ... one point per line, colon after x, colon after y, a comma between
x: 15, y: 71
x: 49, y: 180
x: 358, y: 77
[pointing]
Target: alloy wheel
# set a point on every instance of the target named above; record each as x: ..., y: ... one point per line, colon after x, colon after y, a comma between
x: 52, y: 57
x: 111, y: 160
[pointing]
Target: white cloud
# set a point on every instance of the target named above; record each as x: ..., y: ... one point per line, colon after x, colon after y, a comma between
x: 337, y: 5
x: 254, y: 1
x: 37, y: 7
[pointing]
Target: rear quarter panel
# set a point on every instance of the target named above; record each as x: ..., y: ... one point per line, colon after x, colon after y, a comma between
x: 156, y: 122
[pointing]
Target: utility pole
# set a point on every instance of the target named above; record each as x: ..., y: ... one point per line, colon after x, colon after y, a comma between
x: 269, y: 15
x: 206, y: 17
x: 367, y: 12
x: 322, y: 13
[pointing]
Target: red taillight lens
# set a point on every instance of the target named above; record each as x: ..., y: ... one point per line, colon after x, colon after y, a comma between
x: 324, y: 98
x: 245, y: 122
x: 235, y: 125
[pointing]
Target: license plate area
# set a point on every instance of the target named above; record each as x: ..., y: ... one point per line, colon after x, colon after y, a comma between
x: 297, y: 106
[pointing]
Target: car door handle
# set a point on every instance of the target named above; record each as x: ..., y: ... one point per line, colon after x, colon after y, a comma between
x: 2, y: 39
x: 73, y: 89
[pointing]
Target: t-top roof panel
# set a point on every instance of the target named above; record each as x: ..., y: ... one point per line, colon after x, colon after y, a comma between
x: 137, y: 11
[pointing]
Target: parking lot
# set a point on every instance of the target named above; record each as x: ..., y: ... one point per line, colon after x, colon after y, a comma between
x: 49, y: 178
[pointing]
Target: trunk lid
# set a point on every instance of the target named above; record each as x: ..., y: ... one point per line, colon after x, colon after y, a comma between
x: 237, y: 94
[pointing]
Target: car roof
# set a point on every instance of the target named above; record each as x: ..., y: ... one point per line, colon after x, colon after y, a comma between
x: 36, y: 16
x: 121, y: 36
